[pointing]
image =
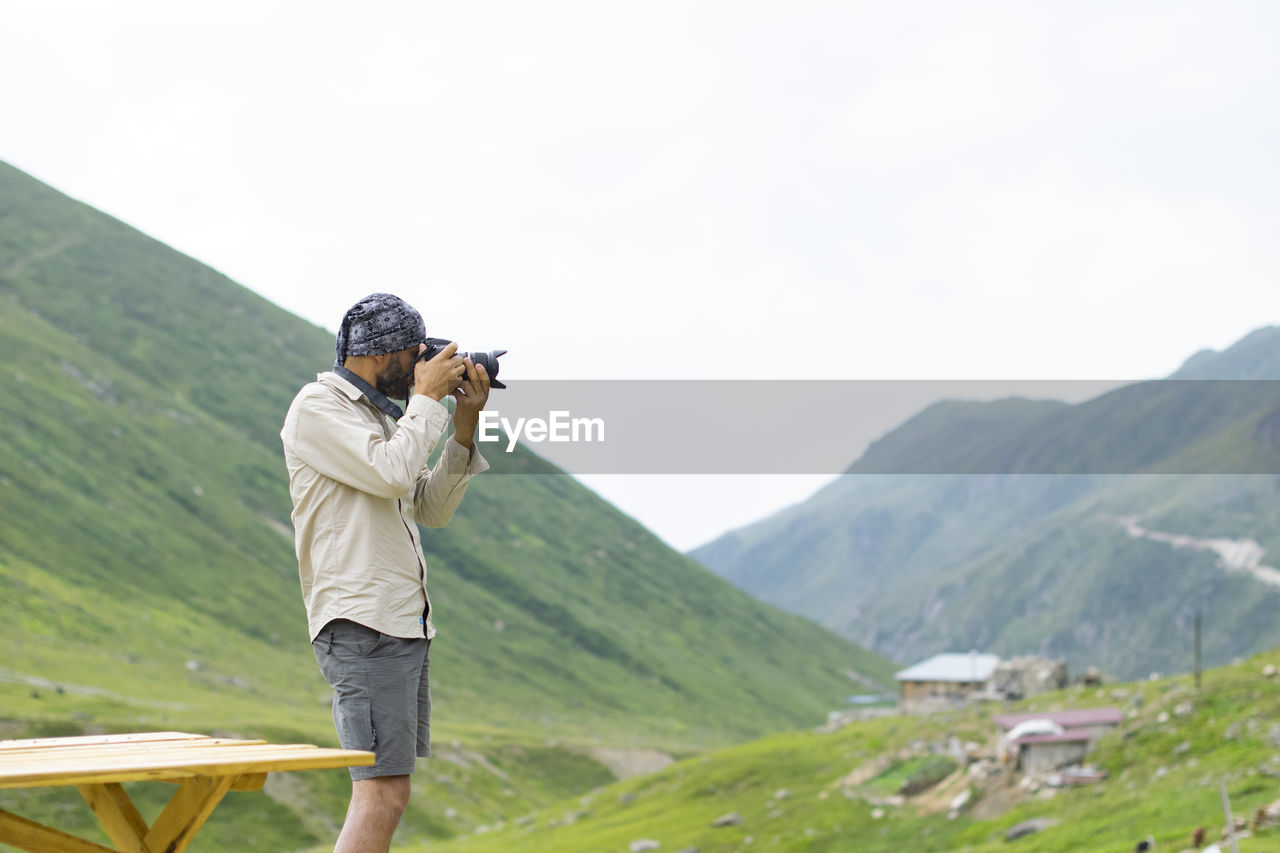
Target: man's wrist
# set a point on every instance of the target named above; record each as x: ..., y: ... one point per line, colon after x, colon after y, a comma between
x: 463, y: 430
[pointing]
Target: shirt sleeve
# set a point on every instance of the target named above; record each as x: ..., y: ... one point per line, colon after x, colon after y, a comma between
x: 337, y: 441
x: 440, y: 490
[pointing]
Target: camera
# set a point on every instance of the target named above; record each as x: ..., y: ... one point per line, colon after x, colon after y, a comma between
x: 488, y: 359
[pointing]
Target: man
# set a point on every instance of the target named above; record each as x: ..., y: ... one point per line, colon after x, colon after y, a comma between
x: 360, y: 484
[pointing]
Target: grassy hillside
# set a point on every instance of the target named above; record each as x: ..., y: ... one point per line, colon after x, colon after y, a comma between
x: 1075, y: 585
x: 1171, y: 426
x: 955, y: 436
x: 836, y: 555
x: 985, y: 525
x: 150, y: 581
x: 1164, y: 765
x: 1255, y: 356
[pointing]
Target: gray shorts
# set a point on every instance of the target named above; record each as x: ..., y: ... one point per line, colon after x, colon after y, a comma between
x: 381, y: 694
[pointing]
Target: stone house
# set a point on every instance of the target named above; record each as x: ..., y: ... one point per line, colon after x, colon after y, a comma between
x: 945, y: 681
x: 1024, y: 677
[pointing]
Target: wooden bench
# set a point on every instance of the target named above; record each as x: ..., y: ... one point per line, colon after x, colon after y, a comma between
x: 205, y: 768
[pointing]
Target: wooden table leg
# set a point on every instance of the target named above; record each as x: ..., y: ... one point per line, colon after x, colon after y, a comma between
x: 116, y: 812
x: 187, y: 811
x: 181, y: 819
x: 38, y: 838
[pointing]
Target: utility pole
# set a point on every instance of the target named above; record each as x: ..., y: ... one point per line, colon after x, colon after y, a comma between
x: 1197, y: 651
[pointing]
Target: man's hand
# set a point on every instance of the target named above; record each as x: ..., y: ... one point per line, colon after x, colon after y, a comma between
x: 471, y: 396
x: 440, y: 374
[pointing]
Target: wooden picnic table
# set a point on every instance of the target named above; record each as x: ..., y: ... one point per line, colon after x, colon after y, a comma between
x: 205, y: 768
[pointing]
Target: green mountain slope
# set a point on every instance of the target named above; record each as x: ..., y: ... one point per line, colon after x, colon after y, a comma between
x: 993, y: 525
x: 1255, y: 356
x: 147, y: 566
x: 810, y: 791
x: 1169, y: 426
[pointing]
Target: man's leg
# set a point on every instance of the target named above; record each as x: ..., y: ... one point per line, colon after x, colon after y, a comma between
x: 375, y: 707
x: 374, y: 813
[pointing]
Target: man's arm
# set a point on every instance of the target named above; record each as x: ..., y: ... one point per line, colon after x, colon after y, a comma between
x: 334, y: 439
x: 440, y: 490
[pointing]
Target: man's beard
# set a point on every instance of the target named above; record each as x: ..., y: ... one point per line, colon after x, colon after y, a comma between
x: 395, y: 382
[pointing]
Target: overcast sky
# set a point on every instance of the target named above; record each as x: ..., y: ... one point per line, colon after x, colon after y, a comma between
x: 967, y: 190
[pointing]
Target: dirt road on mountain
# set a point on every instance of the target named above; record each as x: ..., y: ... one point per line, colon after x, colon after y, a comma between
x: 1234, y: 555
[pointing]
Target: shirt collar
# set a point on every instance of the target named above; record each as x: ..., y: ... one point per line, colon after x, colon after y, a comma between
x: 369, y: 392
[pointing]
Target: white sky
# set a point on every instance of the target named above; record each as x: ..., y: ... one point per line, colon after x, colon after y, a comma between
x: 978, y: 190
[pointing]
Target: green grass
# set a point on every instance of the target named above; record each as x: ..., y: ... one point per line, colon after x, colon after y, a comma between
x: 914, y: 774
x: 677, y: 805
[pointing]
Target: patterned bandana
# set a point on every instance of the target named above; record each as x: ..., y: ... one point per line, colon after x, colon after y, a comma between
x: 379, y: 323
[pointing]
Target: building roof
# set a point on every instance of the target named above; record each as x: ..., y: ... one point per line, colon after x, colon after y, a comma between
x: 1067, y: 719
x: 1068, y: 736
x: 951, y: 667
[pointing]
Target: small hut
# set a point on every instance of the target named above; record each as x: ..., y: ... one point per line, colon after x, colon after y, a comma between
x: 944, y: 681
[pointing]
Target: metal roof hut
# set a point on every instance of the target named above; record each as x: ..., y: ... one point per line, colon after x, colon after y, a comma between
x: 1075, y: 734
x: 944, y: 681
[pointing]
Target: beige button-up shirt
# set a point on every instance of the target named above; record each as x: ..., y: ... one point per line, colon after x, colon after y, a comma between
x: 359, y: 482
